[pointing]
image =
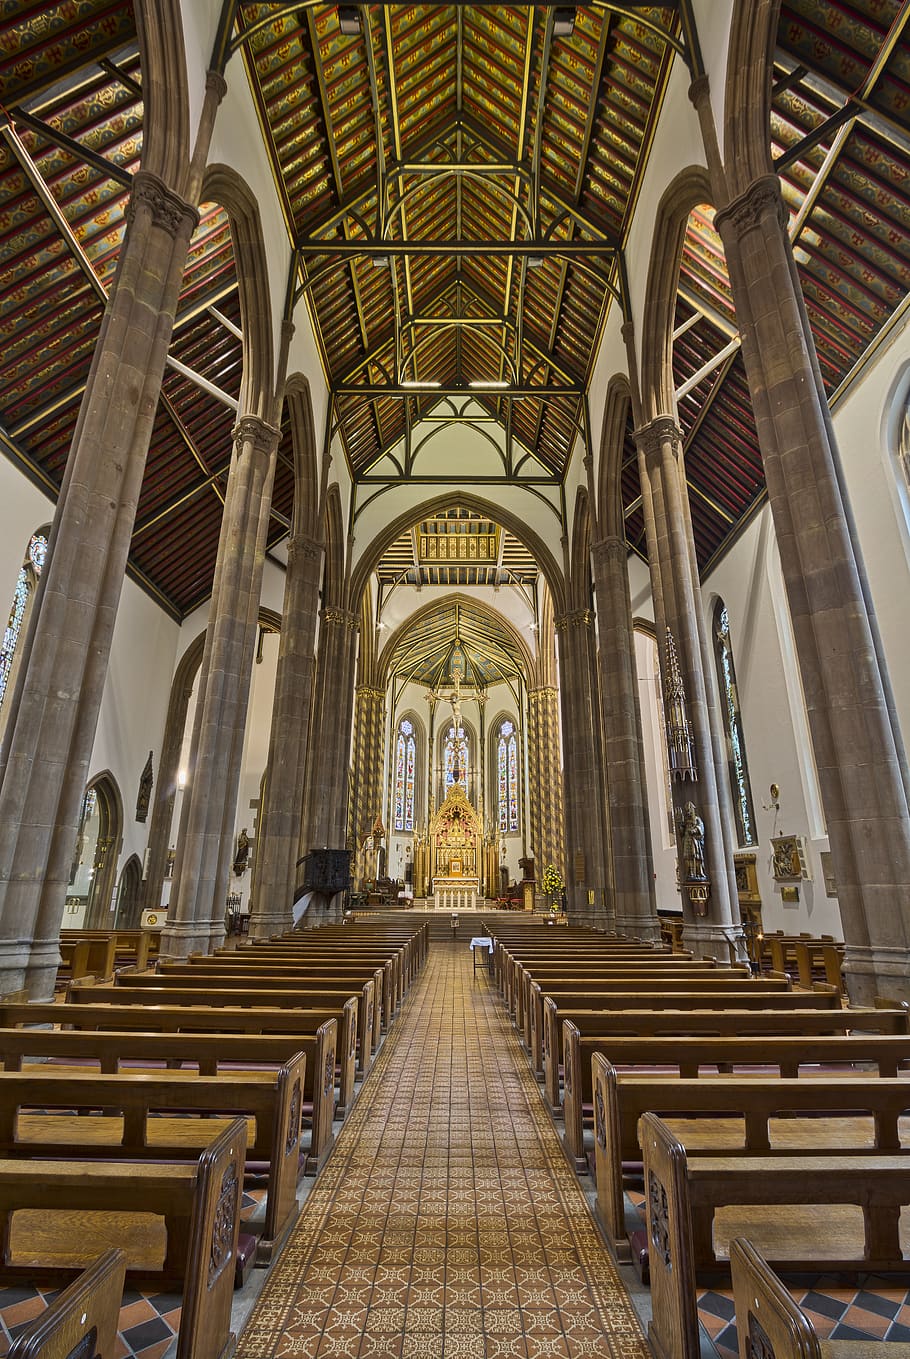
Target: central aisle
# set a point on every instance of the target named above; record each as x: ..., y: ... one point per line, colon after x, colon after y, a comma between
x: 447, y: 1222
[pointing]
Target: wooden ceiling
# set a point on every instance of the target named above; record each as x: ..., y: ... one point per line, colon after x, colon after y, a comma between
x: 459, y: 181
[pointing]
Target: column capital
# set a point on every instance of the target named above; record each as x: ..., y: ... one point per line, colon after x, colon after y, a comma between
x: 575, y: 618
x: 340, y: 618
x: 751, y: 210
x: 542, y: 690
x: 303, y: 548
x: 167, y: 208
x: 611, y: 549
x: 370, y: 691
x: 254, y: 430
x: 659, y: 431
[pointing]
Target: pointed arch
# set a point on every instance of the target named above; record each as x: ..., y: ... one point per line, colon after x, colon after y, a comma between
x: 505, y: 765
x: 129, y: 894
x: 465, y: 500
x: 610, y: 519
x: 298, y: 399
x: 690, y: 187
x: 747, y: 97
x: 165, y: 93
x: 580, y: 567
x: 334, y: 592
x: 452, y: 598
x: 93, y: 873
x: 225, y: 186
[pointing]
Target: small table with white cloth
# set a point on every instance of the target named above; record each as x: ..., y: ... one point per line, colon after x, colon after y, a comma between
x: 480, y: 943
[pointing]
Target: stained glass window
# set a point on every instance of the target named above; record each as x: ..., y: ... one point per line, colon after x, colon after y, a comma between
x: 449, y: 758
x: 740, y: 788
x: 405, y: 775
x: 507, y: 777
x: 25, y: 584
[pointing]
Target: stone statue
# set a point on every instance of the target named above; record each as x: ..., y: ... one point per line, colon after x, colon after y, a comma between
x: 143, y: 801
x: 692, y: 829
x: 241, y: 853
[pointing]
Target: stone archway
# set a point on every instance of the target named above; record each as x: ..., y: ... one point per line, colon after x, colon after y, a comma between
x: 129, y: 894
x: 93, y: 875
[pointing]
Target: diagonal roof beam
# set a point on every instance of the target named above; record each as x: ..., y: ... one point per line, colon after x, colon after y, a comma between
x: 339, y: 189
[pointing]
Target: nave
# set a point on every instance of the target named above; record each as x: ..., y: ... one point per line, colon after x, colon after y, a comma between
x: 447, y: 1222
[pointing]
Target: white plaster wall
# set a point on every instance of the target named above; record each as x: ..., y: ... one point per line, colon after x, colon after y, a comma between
x: 134, y: 703
x: 677, y: 143
x: 866, y: 427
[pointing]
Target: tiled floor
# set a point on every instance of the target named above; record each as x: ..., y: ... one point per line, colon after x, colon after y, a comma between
x: 447, y: 1222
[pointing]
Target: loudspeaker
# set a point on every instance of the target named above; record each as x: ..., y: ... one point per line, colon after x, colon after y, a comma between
x: 327, y: 870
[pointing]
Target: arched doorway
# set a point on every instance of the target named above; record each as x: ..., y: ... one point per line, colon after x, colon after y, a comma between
x: 90, y: 892
x: 129, y: 905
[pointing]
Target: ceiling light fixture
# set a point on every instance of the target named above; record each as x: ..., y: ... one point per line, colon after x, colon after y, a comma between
x: 564, y: 21
x: 349, y: 20
x: 489, y: 385
x: 413, y: 383
x: 535, y: 261
x: 380, y: 261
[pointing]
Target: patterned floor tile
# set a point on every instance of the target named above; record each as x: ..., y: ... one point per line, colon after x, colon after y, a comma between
x: 453, y: 1195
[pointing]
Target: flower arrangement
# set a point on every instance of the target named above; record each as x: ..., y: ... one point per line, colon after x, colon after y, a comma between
x: 552, y: 884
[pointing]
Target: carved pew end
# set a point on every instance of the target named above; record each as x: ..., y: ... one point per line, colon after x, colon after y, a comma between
x: 82, y: 1319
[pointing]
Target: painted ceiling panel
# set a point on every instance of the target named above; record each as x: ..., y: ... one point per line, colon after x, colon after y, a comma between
x: 451, y: 87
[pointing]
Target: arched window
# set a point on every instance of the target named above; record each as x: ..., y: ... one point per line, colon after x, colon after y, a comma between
x: 405, y: 775
x: 23, y: 595
x: 464, y: 758
x: 740, y: 789
x: 507, y: 777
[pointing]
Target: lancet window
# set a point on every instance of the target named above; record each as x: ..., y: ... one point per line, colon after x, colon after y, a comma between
x: 740, y: 789
x: 507, y: 777
x: 23, y: 595
x: 405, y: 775
x: 456, y: 756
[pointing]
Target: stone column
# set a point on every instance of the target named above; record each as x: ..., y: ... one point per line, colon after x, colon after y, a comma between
x: 366, y: 792
x: 587, y: 867
x: 630, y: 831
x: 57, y: 698
x: 329, y: 757
x: 698, y: 775
x: 545, y: 796
x: 205, y: 842
x: 855, y: 734
x: 278, y: 836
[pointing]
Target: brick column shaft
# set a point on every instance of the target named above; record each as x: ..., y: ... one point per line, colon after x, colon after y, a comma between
x: 586, y: 832
x: 57, y: 699
x: 630, y: 832
x: 205, y: 841
x: 278, y: 837
x: 855, y: 734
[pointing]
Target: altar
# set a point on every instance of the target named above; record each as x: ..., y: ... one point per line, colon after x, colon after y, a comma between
x: 456, y: 844
x: 456, y: 894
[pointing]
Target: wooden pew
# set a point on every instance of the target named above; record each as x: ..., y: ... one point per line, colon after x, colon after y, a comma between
x: 386, y: 974
x: 603, y: 1023
x: 679, y: 978
x: 224, y: 1009
x: 579, y: 1052
x: 716, y: 994
x: 132, y: 1124
x: 770, y: 1323
x: 319, y: 1046
x: 200, y: 1203
x: 366, y: 983
x: 82, y: 1320
x: 739, y: 1113
x: 682, y: 1194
